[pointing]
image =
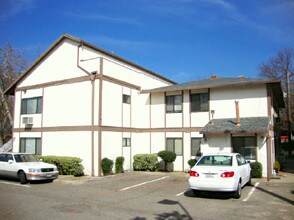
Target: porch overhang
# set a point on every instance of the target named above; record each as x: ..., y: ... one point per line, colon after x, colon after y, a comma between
x: 249, y: 125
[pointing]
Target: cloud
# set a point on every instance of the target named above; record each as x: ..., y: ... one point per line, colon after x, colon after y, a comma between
x: 105, y: 18
x: 10, y: 8
x: 119, y: 43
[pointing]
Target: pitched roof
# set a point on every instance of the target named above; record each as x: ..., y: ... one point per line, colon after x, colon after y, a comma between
x: 229, y: 125
x: 12, y: 87
x: 214, y: 82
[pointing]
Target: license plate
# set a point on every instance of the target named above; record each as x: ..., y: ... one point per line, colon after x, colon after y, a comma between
x: 209, y: 176
x: 49, y: 175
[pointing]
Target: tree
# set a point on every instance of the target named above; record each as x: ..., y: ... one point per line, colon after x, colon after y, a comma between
x: 12, y: 63
x: 282, y: 67
x: 278, y: 67
x: 167, y: 157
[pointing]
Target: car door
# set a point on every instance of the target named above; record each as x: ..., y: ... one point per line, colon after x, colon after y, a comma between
x: 242, y: 168
x: 2, y: 164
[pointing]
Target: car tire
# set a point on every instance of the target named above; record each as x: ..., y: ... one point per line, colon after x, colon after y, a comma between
x: 237, y: 193
x: 196, y: 192
x: 22, y: 177
x: 249, y: 183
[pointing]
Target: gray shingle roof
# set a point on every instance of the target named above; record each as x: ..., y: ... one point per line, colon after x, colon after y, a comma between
x: 213, y: 83
x: 228, y: 125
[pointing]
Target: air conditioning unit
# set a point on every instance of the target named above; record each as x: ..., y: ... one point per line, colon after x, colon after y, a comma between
x: 28, y: 120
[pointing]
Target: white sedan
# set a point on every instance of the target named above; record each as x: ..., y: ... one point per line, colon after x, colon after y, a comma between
x: 26, y: 167
x: 227, y: 172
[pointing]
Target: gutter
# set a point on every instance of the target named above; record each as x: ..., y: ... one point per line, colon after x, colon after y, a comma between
x: 92, y: 78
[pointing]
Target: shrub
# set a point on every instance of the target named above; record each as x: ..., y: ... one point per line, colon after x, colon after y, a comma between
x: 192, y: 162
x: 167, y: 157
x: 256, y: 169
x: 65, y: 165
x: 145, y: 162
x: 119, y: 162
x: 106, y: 165
x: 277, y: 166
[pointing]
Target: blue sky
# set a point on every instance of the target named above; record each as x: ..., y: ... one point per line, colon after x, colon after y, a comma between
x: 183, y: 40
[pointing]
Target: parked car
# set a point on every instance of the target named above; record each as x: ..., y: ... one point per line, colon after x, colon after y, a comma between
x: 26, y: 167
x: 227, y: 172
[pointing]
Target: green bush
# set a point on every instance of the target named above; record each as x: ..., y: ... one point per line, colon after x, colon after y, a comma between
x: 65, y: 165
x: 277, y: 166
x: 119, y: 162
x: 145, y: 162
x: 256, y: 169
x: 192, y: 162
x: 167, y: 157
x: 106, y: 165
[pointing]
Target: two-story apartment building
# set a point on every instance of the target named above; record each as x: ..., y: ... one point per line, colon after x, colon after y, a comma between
x: 79, y: 100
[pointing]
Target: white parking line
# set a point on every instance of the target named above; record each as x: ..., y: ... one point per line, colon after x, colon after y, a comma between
x: 251, y: 192
x: 179, y: 194
x: 14, y: 184
x: 140, y: 184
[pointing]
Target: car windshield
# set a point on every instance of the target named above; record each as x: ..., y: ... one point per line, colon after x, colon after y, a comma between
x: 25, y: 158
x: 215, y: 160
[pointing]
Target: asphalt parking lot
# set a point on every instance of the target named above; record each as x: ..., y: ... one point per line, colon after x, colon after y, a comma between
x: 143, y: 195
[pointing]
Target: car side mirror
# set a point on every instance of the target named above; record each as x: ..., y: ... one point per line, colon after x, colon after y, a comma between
x: 10, y: 161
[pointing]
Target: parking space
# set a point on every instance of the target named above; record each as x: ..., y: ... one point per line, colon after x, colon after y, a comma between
x: 139, y: 195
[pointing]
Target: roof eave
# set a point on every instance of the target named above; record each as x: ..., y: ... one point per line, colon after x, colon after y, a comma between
x: 11, y: 88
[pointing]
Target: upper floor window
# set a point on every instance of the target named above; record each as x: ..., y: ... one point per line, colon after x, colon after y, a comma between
x: 31, y: 105
x: 199, y: 102
x: 174, y: 104
x: 126, y: 99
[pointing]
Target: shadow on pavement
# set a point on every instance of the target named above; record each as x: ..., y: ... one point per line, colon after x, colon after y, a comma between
x: 276, y: 195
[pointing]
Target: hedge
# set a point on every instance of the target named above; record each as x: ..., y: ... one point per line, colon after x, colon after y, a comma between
x: 145, y: 162
x: 119, y: 162
x: 256, y: 168
x: 65, y: 165
x: 106, y: 165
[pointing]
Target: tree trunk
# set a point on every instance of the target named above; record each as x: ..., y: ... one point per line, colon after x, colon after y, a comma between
x: 6, y: 108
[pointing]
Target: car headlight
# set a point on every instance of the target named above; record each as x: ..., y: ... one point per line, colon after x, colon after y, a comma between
x: 55, y: 169
x: 34, y: 170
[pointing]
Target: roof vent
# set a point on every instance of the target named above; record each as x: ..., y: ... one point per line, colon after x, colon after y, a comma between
x: 214, y: 77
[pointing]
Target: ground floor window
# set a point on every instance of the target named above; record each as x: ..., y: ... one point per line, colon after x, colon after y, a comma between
x: 195, y: 147
x: 175, y: 145
x: 126, y: 142
x: 30, y: 145
x: 246, y: 146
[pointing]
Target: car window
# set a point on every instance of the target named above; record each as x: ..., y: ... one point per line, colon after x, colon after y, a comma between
x: 240, y: 159
x: 3, y: 157
x: 25, y: 158
x: 215, y: 160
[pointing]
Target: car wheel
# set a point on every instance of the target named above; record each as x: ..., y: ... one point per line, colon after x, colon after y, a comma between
x: 237, y: 193
x: 22, y: 177
x: 196, y: 192
x: 249, y: 183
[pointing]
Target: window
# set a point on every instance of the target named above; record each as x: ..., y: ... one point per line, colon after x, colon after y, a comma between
x: 126, y: 142
x: 246, y: 146
x: 175, y: 145
x: 174, y: 104
x: 241, y: 160
x: 31, y: 105
x: 126, y: 99
x: 30, y: 145
x: 215, y: 160
x: 199, y: 102
x: 195, y: 147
